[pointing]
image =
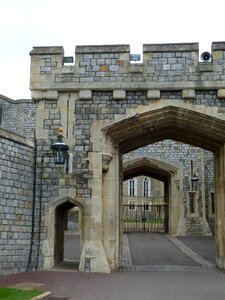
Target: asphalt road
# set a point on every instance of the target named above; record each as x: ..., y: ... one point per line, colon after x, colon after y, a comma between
x: 139, y: 285
x: 154, y: 249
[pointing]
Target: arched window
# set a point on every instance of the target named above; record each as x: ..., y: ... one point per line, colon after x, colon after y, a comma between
x: 146, y: 187
x: 132, y: 187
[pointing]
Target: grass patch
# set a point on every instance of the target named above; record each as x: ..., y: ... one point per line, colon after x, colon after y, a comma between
x: 17, y: 294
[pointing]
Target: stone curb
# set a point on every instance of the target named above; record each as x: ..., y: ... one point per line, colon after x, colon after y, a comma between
x: 42, y: 296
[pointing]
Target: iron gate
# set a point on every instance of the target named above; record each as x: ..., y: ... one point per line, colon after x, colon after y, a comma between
x: 144, y: 218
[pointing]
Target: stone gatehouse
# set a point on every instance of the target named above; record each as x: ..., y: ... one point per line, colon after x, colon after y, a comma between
x: 162, y: 118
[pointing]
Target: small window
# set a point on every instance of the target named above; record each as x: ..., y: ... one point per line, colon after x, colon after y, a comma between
x: 192, y: 168
x: 131, y: 206
x: 132, y: 187
x: 192, y: 202
x: 212, y: 203
x: 146, y: 187
x: 146, y: 206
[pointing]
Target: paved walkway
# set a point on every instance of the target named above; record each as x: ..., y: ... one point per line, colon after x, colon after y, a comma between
x: 160, y: 252
x: 189, y: 277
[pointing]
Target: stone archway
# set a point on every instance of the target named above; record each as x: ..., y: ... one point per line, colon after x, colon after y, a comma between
x: 170, y: 122
x: 169, y: 174
x: 56, y: 219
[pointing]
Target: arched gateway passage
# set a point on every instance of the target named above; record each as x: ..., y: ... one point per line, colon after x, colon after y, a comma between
x: 169, y: 175
x: 170, y: 122
x: 68, y: 234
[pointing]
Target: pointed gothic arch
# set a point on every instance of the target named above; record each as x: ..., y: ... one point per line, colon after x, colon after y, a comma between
x: 185, y: 125
x: 169, y: 174
x: 56, y: 220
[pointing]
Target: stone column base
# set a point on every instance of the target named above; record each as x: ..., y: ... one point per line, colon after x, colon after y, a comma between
x: 93, y: 258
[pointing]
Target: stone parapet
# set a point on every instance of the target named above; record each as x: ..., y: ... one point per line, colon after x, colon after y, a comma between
x: 164, y: 65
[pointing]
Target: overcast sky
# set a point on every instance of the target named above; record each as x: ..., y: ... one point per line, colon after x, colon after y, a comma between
x: 67, y: 23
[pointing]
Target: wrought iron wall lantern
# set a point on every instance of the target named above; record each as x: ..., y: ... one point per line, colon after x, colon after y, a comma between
x: 60, y: 150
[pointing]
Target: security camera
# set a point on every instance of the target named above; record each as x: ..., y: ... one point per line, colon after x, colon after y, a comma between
x: 205, y: 56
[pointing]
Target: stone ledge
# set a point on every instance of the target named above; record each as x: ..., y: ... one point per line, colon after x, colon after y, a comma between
x: 5, y: 134
x: 107, y: 86
x: 218, y: 46
x: 47, y: 50
x: 177, y: 47
x: 103, y: 49
x: 50, y: 95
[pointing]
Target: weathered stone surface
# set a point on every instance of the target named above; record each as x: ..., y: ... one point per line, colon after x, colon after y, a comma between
x: 188, y: 94
x: 119, y: 94
x: 85, y: 94
x: 221, y: 93
x: 153, y: 94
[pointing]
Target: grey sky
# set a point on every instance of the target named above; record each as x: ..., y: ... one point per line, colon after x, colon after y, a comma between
x: 28, y: 23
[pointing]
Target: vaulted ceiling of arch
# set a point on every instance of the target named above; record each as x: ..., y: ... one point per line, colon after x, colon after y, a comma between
x: 148, y: 167
x: 171, y: 122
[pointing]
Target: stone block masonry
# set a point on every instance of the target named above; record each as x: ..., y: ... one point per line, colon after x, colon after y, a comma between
x: 102, y: 89
x: 18, y: 116
x: 164, y: 67
x: 16, y: 190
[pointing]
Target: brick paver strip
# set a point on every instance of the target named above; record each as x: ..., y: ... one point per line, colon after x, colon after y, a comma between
x: 127, y: 261
x: 165, y: 268
x: 196, y: 257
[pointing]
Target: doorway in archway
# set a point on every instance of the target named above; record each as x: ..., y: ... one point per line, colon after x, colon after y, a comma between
x: 144, y: 205
x: 67, y: 235
x: 168, y: 188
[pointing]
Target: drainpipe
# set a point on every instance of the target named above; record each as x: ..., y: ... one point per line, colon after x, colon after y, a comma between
x: 33, y: 203
x: 40, y: 207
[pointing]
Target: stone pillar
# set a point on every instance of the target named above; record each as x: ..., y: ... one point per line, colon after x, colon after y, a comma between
x: 93, y: 256
x: 111, y: 203
x: 220, y: 200
x: 205, y: 226
x: 176, y: 225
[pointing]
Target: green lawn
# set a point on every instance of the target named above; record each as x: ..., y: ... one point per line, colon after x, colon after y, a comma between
x: 17, y: 294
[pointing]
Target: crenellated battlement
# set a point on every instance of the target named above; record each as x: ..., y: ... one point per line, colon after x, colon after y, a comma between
x: 108, y: 67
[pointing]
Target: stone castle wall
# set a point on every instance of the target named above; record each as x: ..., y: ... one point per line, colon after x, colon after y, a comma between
x: 101, y: 88
x: 17, y: 178
x: 18, y: 116
x: 16, y: 197
x: 104, y: 87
